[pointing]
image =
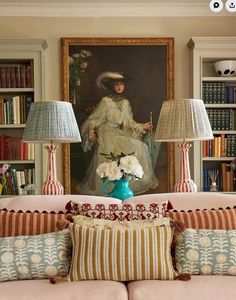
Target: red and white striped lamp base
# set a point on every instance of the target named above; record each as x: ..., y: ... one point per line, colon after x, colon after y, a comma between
x: 52, y: 186
x: 185, y: 184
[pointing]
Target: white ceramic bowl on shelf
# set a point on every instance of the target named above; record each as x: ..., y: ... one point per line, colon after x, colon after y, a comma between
x: 225, y: 68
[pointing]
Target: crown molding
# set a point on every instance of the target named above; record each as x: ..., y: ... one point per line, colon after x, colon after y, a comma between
x: 109, y: 10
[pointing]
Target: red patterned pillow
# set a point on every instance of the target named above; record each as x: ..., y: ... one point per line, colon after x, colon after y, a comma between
x: 119, y: 212
x: 206, y: 219
x: 28, y: 223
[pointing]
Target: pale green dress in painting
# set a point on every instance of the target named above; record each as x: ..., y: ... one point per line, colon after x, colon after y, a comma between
x: 117, y: 132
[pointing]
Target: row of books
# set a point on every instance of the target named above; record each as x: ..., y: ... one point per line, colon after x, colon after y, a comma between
x: 221, y: 119
x: 218, y: 92
x: 223, y: 145
x: 16, y: 180
x: 225, y: 181
x: 13, y: 148
x: 16, y: 76
x: 15, y: 109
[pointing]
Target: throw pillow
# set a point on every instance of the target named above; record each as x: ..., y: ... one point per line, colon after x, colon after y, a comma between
x: 121, y: 254
x: 35, y: 257
x: 28, y: 223
x: 206, y: 219
x: 206, y: 252
x: 119, y: 212
x: 91, y: 222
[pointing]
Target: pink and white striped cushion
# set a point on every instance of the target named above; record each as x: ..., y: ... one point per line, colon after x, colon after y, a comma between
x: 28, y: 223
x: 206, y: 219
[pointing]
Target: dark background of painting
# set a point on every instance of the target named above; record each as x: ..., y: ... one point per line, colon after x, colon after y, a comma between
x: 147, y: 66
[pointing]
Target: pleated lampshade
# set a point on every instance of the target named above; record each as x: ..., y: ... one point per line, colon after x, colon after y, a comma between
x: 51, y: 122
x: 183, y: 120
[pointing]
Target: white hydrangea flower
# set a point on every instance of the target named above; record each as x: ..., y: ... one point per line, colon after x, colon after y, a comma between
x: 109, y: 170
x: 130, y: 165
x: 102, y: 170
x: 114, y: 172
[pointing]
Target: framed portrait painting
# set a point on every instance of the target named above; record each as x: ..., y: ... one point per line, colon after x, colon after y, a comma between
x: 116, y: 87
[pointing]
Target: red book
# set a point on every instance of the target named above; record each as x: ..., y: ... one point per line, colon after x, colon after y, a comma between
x: 8, y: 77
x: 28, y: 77
x: 3, y: 76
x: 21, y: 144
x: 12, y: 77
x: 2, y: 147
x: 1, y: 110
x: 25, y: 151
x: 17, y: 73
x: 22, y: 77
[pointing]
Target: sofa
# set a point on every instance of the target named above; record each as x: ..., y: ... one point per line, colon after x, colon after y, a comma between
x: 206, y: 287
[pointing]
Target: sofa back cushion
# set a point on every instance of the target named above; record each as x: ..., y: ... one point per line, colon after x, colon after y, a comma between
x: 206, y: 252
x: 28, y: 223
x: 206, y: 219
x: 35, y: 257
x: 49, y: 203
x: 188, y: 201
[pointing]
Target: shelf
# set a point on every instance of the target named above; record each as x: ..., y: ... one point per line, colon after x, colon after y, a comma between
x: 217, y: 158
x: 11, y: 126
x: 220, y: 105
x: 16, y: 90
x: 224, y: 131
x: 218, y: 78
x: 17, y: 162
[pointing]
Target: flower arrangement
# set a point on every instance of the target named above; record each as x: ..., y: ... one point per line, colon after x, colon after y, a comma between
x: 3, y: 170
x: 122, y: 166
x: 78, y: 66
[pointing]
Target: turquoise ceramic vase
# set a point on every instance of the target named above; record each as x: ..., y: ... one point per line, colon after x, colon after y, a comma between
x: 121, y: 189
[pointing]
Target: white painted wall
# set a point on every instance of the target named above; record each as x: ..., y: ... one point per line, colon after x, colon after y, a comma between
x: 52, y: 29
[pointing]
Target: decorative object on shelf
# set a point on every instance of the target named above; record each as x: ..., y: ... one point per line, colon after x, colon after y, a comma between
x: 183, y: 120
x: 233, y: 169
x: 213, y: 174
x: 51, y: 122
x: 29, y: 189
x: 3, y: 180
x: 119, y: 172
x: 225, y: 68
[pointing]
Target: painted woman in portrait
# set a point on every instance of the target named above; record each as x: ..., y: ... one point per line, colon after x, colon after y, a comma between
x: 111, y: 128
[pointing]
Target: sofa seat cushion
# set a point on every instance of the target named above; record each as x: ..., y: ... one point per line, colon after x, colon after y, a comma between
x: 43, y: 290
x: 199, y: 287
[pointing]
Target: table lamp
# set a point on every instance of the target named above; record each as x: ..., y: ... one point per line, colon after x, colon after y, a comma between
x: 183, y: 120
x: 51, y: 122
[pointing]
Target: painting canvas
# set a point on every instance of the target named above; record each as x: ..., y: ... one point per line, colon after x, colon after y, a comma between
x: 112, y: 123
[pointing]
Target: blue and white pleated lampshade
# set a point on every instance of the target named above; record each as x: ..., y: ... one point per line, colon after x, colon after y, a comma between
x: 51, y: 122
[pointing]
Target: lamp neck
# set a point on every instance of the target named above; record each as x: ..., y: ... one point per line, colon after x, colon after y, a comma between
x: 185, y: 169
x: 52, y: 171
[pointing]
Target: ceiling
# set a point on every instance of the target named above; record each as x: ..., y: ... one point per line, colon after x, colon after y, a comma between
x: 104, y: 1
x: 113, y: 8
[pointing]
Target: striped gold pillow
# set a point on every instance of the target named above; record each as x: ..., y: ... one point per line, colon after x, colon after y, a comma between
x: 206, y: 219
x: 28, y: 223
x: 121, y: 254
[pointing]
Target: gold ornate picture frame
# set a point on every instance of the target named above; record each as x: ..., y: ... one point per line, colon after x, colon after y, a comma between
x: 149, y: 62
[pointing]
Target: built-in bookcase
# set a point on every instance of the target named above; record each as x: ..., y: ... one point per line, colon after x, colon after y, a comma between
x: 219, y: 96
x: 21, y: 83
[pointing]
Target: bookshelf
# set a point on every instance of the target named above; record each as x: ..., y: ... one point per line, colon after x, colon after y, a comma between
x: 219, y: 96
x: 22, y: 73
